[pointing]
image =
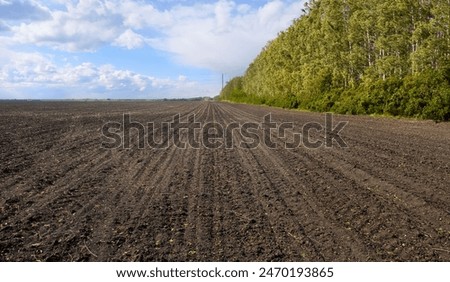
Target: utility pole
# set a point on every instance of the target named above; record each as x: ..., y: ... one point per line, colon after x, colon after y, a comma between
x: 222, y: 81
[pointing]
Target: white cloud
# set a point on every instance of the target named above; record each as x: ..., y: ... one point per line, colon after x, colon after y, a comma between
x: 85, y: 26
x: 222, y: 36
x: 268, y: 12
x: 222, y: 11
x: 130, y: 40
x: 243, y: 8
x: 138, y: 15
x: 21, y: 71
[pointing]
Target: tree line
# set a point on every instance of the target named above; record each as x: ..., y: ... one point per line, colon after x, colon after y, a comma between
x: 356, y: 57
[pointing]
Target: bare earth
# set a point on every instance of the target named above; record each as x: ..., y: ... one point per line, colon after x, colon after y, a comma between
x: 65, y: 198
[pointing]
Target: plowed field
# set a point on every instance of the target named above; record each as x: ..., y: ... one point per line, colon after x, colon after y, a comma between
x: 64, y: 197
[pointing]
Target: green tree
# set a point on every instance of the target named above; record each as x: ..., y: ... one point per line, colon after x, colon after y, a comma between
x: 357, y: 57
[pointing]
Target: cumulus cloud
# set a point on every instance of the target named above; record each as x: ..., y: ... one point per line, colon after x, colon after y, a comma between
x: 21, y: 70
x: 222, y: 36
x: 130, y: 40
x: 228, y: 39
x: 139, y: 15
x: 85, y: 26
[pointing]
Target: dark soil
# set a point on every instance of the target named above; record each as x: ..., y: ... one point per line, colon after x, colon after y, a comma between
x: 65, y: 198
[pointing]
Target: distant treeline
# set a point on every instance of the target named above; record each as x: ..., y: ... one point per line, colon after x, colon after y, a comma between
x: 356, y: 57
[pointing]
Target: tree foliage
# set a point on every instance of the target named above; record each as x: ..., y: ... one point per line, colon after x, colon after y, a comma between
x: 357, y: 57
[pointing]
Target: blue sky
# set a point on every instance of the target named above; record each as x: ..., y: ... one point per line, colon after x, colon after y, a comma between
x: 78, y: 49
